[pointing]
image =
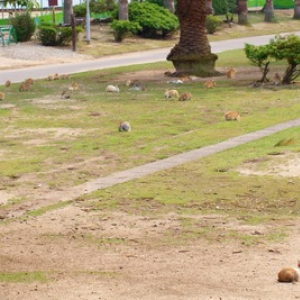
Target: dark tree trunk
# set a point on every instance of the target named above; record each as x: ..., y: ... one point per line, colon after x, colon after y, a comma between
x: 123, y: 10
x: 169, y: 5
x: 192, y: 55
x: 297, y: 10
x: 68, y: 11
x: 242, y: 10
x: 269, y: 11
x: 291, y: 74
x: 265, y: 70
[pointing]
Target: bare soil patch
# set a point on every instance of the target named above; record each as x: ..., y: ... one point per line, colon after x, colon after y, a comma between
x: 89, y: 255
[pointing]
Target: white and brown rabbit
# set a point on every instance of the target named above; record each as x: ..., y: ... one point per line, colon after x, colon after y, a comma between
x: 170, y: 94
x: 289, y: 274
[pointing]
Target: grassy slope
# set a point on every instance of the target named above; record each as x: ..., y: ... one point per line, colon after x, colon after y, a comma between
x: 33, y: 143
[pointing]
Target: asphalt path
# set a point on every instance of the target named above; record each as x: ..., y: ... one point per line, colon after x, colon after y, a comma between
x: 39, y: 72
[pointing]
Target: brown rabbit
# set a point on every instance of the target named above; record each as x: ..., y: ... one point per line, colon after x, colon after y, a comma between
x: 24, y: 87
x: 185, y: 96
x: 7, y: 83
x: 289, y: 274
x: 29, y: 81
x: 74, y: 87
x: 232, y: 116
x: 2, y: 96
x: 277, y: 79
x: 209, y: 84
x: 50, y: 78
x: 185, y: 78
x: 170, y: 94
x: 65, y: 76
x: 231, y: 73
x: 56, y: 76
x: 131, y: 83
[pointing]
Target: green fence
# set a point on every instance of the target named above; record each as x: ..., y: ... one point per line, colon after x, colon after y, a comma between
x: 284, y: 4
x: 278, y: 4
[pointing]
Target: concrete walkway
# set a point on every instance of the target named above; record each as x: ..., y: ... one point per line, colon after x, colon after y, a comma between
x: 173, y: 161
x: 142, y: 57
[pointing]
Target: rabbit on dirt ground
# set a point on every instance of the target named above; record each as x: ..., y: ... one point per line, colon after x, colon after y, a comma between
x: 289, y: 274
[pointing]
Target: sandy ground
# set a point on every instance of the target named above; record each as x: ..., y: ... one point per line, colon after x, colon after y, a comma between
x: 91, y: 255
x: 32, y: 54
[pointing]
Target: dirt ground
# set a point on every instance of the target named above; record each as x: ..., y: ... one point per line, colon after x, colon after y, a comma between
x: 93, y: 255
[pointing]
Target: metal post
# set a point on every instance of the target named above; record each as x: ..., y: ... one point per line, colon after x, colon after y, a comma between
x: 2, y: 6
x: 88, y: 22
x: 53, y: 14
x: 73, y: 24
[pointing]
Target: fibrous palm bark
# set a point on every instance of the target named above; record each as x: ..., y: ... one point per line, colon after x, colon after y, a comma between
x: 242, y: 10
x: 192, y: 55
x: 269, y: 11
x: 297, y: 10
x: 68, y: 11
x: 123, y: 10
x: 209, y: 7
x: 169, y: 5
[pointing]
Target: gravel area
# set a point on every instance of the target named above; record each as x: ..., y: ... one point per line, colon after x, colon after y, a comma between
x: 31, y: 53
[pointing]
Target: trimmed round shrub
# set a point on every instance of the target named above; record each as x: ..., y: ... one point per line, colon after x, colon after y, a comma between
x: 101, y: 6
x: 24, y: 26
x: 53, y: 35
x: 153, y: 19
x: 213, y: 24
x: 79, y: 10
x: 122, y: 28
x: 221, y: 7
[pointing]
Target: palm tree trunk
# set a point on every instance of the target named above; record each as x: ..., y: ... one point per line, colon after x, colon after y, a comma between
x: 269, y: 11
x: 242, y: 9
x: 209, y: 7
x: 192, y: 55
x: 123, y: 10
x: 169, y: 5
x: 297, y: 10
x: 68, y: 11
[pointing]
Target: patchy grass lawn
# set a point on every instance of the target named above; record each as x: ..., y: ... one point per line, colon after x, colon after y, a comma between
x: 52, y: 143
x: 102, y: 39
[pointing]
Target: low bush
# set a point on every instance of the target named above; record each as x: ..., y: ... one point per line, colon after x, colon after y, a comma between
x: 101, y: 6
x: 213, y: 24
x: 53, y: 35
x: 153, y: 19
x: 122, y: 28
x: 24, y: 26
x: 79, y: 10
x: 221, y: 7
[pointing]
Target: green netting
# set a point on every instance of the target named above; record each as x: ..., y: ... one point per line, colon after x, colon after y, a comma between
x: 256, y: 3
x: 283, y: 4
x: 278, y: 4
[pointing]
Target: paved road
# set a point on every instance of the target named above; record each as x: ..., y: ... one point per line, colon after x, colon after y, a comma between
x: 18, y: 75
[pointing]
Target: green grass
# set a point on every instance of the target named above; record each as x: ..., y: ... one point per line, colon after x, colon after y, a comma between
x: 23, y: 277
x: 46, y: 132
x: 45, y: 209
x: 57, y: 143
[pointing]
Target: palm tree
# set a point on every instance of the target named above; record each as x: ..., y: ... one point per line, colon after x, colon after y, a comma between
x: 242, y: 10
x: 209, y: 7
x: 297, y: 10
x: 123, y: 10
x: 169, y: 4
x: 192, y: 55
x: 269, y: 11
x: 68, y: 11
